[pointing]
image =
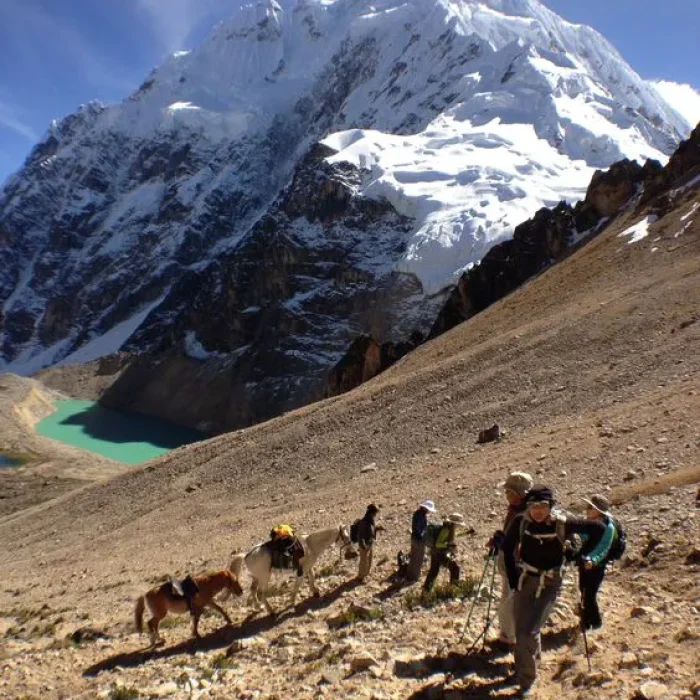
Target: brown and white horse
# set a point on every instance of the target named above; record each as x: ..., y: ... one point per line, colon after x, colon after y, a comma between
x: 258, y: 561
x: 160, y: 600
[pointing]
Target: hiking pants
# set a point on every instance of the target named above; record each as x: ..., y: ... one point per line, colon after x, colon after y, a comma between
x: 415, y: 563
x: 531, y: 613
x: 365, y: 560
x: 589, y: 583
x: 438, y: 559
x: 506, y: 620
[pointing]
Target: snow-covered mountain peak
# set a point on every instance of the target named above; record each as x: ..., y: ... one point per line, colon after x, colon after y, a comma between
x: 449, y: 121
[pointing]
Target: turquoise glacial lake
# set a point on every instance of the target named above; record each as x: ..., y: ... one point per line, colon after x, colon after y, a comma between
x: 130, y: 438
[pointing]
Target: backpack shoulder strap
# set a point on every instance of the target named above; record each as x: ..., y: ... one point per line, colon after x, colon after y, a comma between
x: 523, y: 521
x: 560, y: 520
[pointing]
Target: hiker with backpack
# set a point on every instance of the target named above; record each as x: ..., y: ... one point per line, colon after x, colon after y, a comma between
x: 515, y: 489
x: 420, y: 533
x: 364, y: 533
x: 594, y: 558
x: 534, y: 553
x: 444, y: 551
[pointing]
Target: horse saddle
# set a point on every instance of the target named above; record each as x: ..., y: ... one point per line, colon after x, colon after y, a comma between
x: 286, y: 555
x: 185, y: 588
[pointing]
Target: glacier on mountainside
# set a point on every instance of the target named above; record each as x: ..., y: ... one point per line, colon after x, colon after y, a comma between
x: 128, y: 221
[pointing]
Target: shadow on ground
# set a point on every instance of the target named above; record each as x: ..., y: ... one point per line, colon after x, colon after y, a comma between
x: 479, y: 675
x: 223, y: 637
x: 462, y: 675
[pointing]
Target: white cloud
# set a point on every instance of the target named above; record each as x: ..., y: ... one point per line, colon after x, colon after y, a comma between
x: 684, y: 98
x: 173, y: 20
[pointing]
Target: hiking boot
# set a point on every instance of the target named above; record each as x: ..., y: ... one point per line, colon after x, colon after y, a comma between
x: 526, y: 690
x: 502, y: 644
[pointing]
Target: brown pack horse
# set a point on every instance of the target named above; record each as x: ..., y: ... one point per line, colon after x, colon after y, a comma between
x: 161, y: 600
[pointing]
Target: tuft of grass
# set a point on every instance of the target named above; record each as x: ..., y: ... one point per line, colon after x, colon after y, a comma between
x: 221, y: 662
x: 333, y: 657
x: 121, y: 692
x: 174, y: 621
x: 355, y: 614
x: 441, y: 592
x: 327, y: 570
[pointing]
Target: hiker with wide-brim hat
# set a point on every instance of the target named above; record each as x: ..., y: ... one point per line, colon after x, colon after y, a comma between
x: 419, y: 538
x: 444, y: 551
x: 593, y: 560
x: 533, y: 550
x: 515, y: 489
x: 366, y: 537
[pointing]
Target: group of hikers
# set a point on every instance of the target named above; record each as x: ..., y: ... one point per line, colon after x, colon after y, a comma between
x: 532, y: 548
x: 530, y: 551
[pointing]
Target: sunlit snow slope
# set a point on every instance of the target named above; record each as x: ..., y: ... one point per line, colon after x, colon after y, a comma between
x: 132, y: 225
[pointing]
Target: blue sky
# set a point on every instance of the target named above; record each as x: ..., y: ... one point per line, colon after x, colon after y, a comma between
x: 57, y: 54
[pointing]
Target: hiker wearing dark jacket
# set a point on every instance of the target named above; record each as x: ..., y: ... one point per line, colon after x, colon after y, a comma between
x: 444, y: 551
x: 534, y: 549
x: 419, y: 539
x: 366, y: 536
x: 594, y: 558
x: 515, y: 489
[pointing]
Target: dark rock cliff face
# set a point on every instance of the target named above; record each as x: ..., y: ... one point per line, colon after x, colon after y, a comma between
x: 547, y: 238
x: 259, y: 314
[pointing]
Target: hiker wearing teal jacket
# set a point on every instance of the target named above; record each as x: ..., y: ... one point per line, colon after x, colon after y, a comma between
x: 593, y: 560
x: 444, y: 551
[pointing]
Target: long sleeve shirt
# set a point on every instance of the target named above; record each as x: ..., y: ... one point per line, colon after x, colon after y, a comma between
x: 419, y: 525
x: 541, y: 547
x: 596, y: 553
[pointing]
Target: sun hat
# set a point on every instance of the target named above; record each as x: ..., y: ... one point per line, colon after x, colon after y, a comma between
x: 600, y: 503
x: 456, y: 518
x: 428, y: 505
x: 519, y: 482
x: 540, y: 494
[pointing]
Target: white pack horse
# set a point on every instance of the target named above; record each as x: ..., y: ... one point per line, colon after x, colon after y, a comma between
x: 258, y: 561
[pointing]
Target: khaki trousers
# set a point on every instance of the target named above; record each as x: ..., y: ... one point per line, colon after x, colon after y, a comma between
x: 365, y: 560
x: 506, y: 619
x: 531, y: 614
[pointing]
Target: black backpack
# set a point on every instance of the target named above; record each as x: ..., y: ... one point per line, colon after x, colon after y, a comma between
x: 619, y: 544
x: 355, y: 531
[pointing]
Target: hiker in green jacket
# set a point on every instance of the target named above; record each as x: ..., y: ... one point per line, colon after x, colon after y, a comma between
x: 444, y: 551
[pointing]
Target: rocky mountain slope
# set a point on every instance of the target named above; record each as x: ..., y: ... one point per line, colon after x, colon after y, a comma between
x: 313, y: 172
x: 591, y: 369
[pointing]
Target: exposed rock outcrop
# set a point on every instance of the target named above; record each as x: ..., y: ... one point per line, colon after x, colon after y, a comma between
x: 547, y: 238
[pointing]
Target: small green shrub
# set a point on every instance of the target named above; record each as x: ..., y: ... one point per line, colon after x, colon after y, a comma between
x: 174, y: 621
x: 327, y: 570
x: 221, y: 661
x: 121, y: 692
x: 441, y: 592
x: 355, y: 614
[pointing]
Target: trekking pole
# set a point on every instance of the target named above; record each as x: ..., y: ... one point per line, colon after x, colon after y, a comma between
x: 488, y: 620
x: 471, y: 607
x: 491, y: 557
